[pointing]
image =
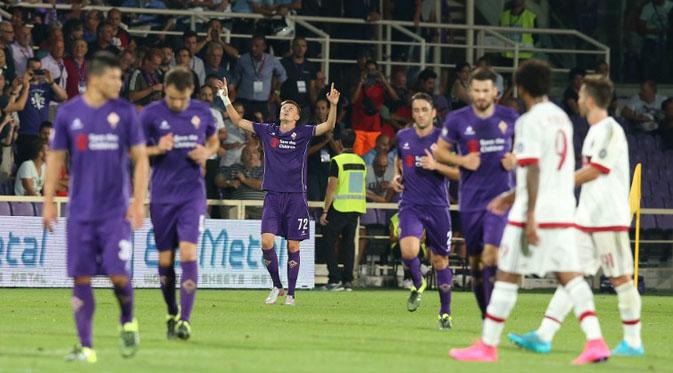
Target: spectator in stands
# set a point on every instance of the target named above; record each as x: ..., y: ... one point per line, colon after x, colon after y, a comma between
x: 512, y: 103
x: 22, y: 49
x: 367, y: 10
x: 367, y: 101
x: 396, y: 114
x: 6, y: 41
x: 517, y: 16
x: 654, y: 28
x: 214, y: 35
x: 571, y: 94
x: 382, y: 147
x: 45, y: 131
x: 257, y: 77
x: 214, y: 65
x: 250, y: 178
x: 75, y: 67
x: 53, y: 62
x: 145, y: 84
x: 485, y: 63
x: 120, y: 37
x: 236, y: 139
x: 426, y: 84
x: 167, y: 59
x: 92, y: 21
x: 43, y: 90
x: 190, y: 41
x: 460, y: 87
x: 644, y: 109
x: 633, y: 40
x: 8, y: 131
x: 103, y: 41
x: 73, y: 30
x: 14, y: 98
x: 184, y: 59
x: 666, y: 125
x: 301, y: 85
x: 3, y: 69
x: 321, y: 150
x: 30, y: 176
x: 127, y: 62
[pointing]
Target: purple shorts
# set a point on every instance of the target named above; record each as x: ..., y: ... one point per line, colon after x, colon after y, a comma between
x: 99, y: 248
x: 175, y: 223
x: 436, y: 221
x: 286, y: 215
x: 481, y: 228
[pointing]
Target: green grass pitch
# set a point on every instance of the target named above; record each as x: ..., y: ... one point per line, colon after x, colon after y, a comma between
x: 362, y: 331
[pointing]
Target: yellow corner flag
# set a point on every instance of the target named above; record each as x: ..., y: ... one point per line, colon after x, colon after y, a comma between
x: 634, y: 207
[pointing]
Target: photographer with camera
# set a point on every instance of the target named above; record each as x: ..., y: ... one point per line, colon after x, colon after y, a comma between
x: 368, y: 98
x: 42, y: 91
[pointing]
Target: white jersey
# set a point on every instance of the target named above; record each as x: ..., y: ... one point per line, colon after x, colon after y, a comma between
x: 544, y: 136
x: 604, y: 202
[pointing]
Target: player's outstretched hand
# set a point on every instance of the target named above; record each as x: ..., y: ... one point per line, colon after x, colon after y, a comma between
x: 199, y: 155
x: 166, y: 143
x: 49, y: 216
x: 333, y: 95
x: 428, y: 161
x: 222, y: 89
x: 397, y: 184
x: 500, y: 204
x: 508, y: 161
x: 471, y: 161
x: 323, y: 218
x: 136, y: 214
x: 531, y: 230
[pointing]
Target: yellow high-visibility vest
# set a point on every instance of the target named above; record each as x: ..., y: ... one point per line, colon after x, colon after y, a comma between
x: 526, y: 20
x: 351, y: 192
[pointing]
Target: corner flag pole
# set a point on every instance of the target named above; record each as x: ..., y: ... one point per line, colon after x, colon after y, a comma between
x: 634, y: 204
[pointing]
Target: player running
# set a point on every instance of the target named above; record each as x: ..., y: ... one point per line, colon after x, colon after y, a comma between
x: 99, y: 130
x: 176, y: 129
x: 540, y: 235
x: 602, y: 220
x: 482, y: 134
x: 424, y: 204
x: 285, y: 210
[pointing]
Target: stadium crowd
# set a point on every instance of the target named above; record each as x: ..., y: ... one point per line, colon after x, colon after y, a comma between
x: 43, y: 57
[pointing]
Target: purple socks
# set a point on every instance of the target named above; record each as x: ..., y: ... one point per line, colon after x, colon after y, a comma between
x: 167, y: 280
x: 444, y: 284
x: 271, y: 263
x: 292, y: 271
x: 83, y: 306
x: 414, y: 266
x: 188, y: 284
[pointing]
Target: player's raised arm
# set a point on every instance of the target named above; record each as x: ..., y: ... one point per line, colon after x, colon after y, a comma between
x: 236, y: 119
x: 55, y: 163
x: 136, y: 212
x: 327, y: 126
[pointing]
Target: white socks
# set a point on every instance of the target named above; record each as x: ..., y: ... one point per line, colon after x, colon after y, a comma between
x: 629, y: 310
x: 503, y: 300
x: 585, y: 310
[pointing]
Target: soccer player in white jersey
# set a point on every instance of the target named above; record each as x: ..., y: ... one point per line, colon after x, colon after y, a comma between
x: 540, y: 234
x: 602, y: 220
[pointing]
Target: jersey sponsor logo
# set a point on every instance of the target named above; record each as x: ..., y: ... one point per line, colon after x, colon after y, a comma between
x: 492, y: 145
x: 164, y: 125
x: 185, y: 142
x: 113, y: 119
x: 196, y: 121
x: 503, y: 126
x: 469, y: 131
x: 76, y: 125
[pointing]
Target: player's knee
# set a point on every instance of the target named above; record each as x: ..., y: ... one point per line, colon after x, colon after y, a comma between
x: 619, y: 281
x: 267, y: 243
x: 165, y: 259
x: 565, y: 277
x: 293, y: 246
x: 440, y: 262
x: 83, y: 280
x: 187, y: 252
x: 474, y: 262
x: 489, y: 258
x: 119, y: 280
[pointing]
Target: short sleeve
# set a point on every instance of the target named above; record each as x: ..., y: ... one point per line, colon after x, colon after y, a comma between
x: 259, y: 128
x: 60, y: 140
x: 527, y: 142
x: 25, y: 171
x: 210, y: 123
x: 605, y: 151
x: 149, y: 130
x: 450, y: 132
x: 333, y: 169
x: 136, y: 134
x: 634, y: 104
x: 279, y: 71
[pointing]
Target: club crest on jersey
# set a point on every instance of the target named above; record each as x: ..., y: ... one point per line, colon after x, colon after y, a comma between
x: 113, y: 119
x: 293, y: 135
x: 164, y: 125
x: 196, y: 121
x: 76, y: 125
x: 469, y: 130
x: 503, y: 126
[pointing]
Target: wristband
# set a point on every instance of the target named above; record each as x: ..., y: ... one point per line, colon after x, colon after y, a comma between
x: 224, y: 98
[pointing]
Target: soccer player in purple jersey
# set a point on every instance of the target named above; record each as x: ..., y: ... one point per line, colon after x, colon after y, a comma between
x: 177, y: 129
x: 482, y: 136
x: 99, y: 131
x: 424, y: 204
x: 285, y: 210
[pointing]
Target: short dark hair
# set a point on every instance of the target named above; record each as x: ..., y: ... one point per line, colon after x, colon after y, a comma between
x: 483, y: 74
x: 46, y: 124
x: 534, y: 76
x: 422, y: 96
x: 666, y: 102
x: 102, y: 61
x: 258, y: 37
x: 33, y: 59
x: 427, y: 74
x: 189, y: 34
x: 180, y: 78
x: 35, y: 148
x: 371, y: 62
x: 297, y: 38
x: 600, y: 89
x: 292, y: 102
x: 348, y: 138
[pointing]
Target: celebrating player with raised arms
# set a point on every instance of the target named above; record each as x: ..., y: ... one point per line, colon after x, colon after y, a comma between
x: 481, y: 134
x: 99, y: 131
x: 424, y: 204
x: 177, y: 128
x: 285, y: 209
x: 540, y: 235
x: 603, y: 222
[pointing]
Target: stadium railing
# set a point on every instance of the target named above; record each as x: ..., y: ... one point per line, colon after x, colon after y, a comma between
x: 479, y: 40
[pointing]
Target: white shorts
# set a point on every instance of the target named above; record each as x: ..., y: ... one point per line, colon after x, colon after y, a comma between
x: 556, y: 252
x: 610, y: 251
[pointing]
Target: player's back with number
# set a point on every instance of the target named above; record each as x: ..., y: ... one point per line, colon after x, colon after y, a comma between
x: 544, y: 136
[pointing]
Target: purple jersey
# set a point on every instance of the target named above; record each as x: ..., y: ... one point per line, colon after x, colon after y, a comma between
x: 421, y: 187
x: 492, y: 137
x: 176, y: 178
x: 284, y: 156
x: 98, y: 141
